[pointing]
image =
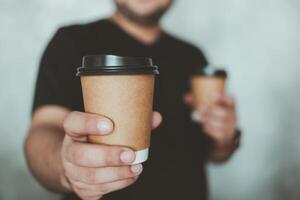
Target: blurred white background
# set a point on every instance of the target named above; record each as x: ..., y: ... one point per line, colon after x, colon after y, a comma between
x: 258, y: 41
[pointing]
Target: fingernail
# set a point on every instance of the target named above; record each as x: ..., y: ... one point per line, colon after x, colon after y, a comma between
x: 137, y: 168
x: 195, y: 116
x: 127, y: 156
x: 104, y: 126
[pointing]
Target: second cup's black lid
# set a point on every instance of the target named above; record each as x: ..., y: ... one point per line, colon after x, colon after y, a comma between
x: 116, y: 65
x: 210, y: 70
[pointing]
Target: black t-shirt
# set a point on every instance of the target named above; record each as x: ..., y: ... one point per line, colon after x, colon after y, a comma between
x: 175, y: 169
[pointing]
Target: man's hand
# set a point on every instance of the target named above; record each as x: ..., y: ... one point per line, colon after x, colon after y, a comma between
x: 219, y: 123
x: 93, y: 170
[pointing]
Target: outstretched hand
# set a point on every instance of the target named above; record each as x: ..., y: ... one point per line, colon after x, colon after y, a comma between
x: 220, y: 121
x: 93, y: 170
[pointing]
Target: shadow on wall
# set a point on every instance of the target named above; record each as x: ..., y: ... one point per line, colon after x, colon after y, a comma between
x: 286, y: 179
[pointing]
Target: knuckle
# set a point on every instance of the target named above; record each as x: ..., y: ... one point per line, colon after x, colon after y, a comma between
x: 91, y: 176
x: 64, y: 158
x: 123, y: 172
x: 68, y: 174
x: 65, y: 152
x: 78, y: 185
x: 129, y: 182
x: 105, y: 188
x: 77, y: 154
x: 67, y: 125
x: 110, y: 156
x: 128, y: 172
x: 66, y: 170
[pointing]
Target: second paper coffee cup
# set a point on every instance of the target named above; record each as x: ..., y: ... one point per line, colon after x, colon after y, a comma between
x: 206, y: 82
x: 121, y: 89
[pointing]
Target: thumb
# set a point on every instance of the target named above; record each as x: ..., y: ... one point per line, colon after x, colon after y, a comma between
x: 156, y: 119
x: 188, y: 99
x: 79, y: 124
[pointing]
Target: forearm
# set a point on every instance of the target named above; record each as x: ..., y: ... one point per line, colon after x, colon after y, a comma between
x: 42, y: 150
x: 221, y: 153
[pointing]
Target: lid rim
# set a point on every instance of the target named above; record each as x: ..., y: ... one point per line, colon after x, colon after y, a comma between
x: 112, y: 64
x: 211, y: 71
x: 116, y: 73
x: 211, y: 76
x: 103, y: 60
x: 81, y: 71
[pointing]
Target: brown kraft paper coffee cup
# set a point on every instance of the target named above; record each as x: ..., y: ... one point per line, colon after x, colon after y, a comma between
x: 205, y: 83
x: 121, y: 89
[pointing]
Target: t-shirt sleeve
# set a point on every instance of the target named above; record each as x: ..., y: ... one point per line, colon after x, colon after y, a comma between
x: 49, y: 78
x: 200, y: 59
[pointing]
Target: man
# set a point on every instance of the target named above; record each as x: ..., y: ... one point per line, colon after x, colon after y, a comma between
x: 56, y: 147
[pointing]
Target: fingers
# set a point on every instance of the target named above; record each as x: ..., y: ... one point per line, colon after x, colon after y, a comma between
x: 224, y: 101
x: 95, y: 155
x: 217, y: 115
x: 95, y: 176
x: 215, y: 124
x: 219, y: 98
x: 94, y: 192
x: 156, y: 119
x: 118, y: 185
x: 95, y: 169
x: 79, y: 124
x: 213, y: 133
x: 219, y: 123
x: 219, y: 118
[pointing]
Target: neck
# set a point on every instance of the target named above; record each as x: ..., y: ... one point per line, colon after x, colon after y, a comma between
x: 145, y: 34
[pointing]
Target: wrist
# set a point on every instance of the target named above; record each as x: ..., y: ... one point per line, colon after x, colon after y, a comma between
x: 221, y: 152
x: 233, y: 144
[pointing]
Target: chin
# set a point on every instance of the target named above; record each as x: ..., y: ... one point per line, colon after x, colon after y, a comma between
x: 143, y: 12
x: 146, y: 10
x: 148, y: 14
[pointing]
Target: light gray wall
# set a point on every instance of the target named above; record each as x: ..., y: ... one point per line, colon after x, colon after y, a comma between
x: 258, y: 41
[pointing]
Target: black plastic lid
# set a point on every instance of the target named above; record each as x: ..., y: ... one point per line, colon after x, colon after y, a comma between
x: 211, y: 71
x: 116, y: 65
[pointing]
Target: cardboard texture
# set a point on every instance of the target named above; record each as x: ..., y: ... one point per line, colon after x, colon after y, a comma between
x: 203, y: 89
x: 127, y: 101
